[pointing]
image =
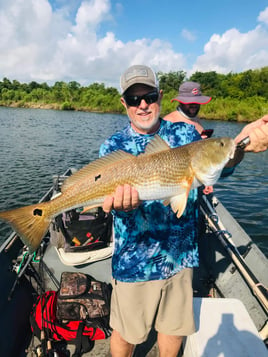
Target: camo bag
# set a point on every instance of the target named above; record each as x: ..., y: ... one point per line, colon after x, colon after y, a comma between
x: 81, y: 297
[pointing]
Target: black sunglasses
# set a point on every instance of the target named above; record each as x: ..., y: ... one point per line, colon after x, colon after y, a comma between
x: 135, y: 100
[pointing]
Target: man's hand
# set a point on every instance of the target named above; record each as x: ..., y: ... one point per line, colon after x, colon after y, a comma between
x: 258, y: 134
x: 207, y: 190
x: 125, y: 198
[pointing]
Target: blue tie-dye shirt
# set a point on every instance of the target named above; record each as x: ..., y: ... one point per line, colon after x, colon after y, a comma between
x: 151, y: 243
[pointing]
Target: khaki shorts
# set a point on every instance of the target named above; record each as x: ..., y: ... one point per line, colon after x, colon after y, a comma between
x: 165, y: 304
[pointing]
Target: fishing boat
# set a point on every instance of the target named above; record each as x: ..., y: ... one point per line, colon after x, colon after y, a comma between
x: 230, y: 286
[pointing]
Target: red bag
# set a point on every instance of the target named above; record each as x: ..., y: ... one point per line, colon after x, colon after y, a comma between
x: 83, y: 333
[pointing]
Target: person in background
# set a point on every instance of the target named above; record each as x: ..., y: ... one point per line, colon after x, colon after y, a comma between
x: 154, y: 252
x: 190, y: 98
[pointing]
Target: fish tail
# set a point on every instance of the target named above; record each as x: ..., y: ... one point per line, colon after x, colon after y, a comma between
x: 30, y: 222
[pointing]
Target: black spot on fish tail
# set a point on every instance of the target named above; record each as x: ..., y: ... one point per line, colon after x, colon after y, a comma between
x: 38, y: 212
x: 97, y: 177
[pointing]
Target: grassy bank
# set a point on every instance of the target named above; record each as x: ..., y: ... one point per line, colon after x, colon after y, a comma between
x: 229, y: 109
x: 239, y: 97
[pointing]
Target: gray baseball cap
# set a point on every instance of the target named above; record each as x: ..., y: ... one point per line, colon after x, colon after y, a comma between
x: 138, y: 74
x: 190, y: 92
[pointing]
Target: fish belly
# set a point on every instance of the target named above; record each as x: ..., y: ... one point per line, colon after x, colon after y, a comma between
x: 157, y: 191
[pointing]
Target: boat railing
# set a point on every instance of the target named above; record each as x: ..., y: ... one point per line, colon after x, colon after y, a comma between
x: 225, y: 237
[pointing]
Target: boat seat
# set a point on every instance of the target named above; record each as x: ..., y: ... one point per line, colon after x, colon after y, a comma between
x: 223, y: 328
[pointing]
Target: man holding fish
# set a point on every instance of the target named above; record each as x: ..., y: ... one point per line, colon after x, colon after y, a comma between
x: 156, y: 242
x: 148, y: 176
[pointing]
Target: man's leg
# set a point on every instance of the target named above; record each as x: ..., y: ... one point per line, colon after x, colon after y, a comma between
x: 120, y: 347
x: 169, y: 346
x: 175, y: 313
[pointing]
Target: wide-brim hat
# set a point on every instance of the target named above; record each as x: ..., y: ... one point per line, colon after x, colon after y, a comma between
x: 190, y: 92
x: 138, y: 74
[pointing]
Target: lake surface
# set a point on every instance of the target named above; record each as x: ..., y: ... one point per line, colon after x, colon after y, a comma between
x: 37, y: 144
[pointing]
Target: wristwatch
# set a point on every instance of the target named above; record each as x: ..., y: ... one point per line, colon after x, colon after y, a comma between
x: 243, y: 143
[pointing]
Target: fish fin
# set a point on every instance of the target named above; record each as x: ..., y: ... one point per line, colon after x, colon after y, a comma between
x: 95, y: 167
x: 157, y: 144
x: 179, y: 202
x: 30, y: 223
x: 85, y: 209
x: 88, y: 208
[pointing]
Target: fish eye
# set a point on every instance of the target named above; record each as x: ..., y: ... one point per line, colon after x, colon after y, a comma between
x: 222, y: 143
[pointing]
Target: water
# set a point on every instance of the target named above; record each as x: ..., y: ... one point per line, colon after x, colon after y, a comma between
x: 37, y: 144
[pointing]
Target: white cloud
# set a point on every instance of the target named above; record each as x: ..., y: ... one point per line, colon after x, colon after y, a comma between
x: 188, y: 35
x: 263, y: 17
x: 234, y: 51
x: 90, y: 14
x: 64, y: 42
x: 28, y: 37
x: 42, y: 44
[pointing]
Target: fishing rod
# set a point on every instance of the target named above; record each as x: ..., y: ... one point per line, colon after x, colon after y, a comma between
x: 215, y: 224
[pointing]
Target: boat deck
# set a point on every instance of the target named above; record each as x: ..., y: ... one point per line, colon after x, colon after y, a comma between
x: 218, y: 276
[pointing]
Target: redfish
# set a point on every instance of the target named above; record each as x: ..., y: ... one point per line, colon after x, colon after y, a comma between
x: 160, y: 173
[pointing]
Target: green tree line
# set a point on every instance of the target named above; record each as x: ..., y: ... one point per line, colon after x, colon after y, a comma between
x: 235, y: 96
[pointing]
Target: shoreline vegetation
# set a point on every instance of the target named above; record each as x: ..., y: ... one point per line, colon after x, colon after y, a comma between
x: 241, y: 97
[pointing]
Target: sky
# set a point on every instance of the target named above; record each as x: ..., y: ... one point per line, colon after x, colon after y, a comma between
x: 95, y: 40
